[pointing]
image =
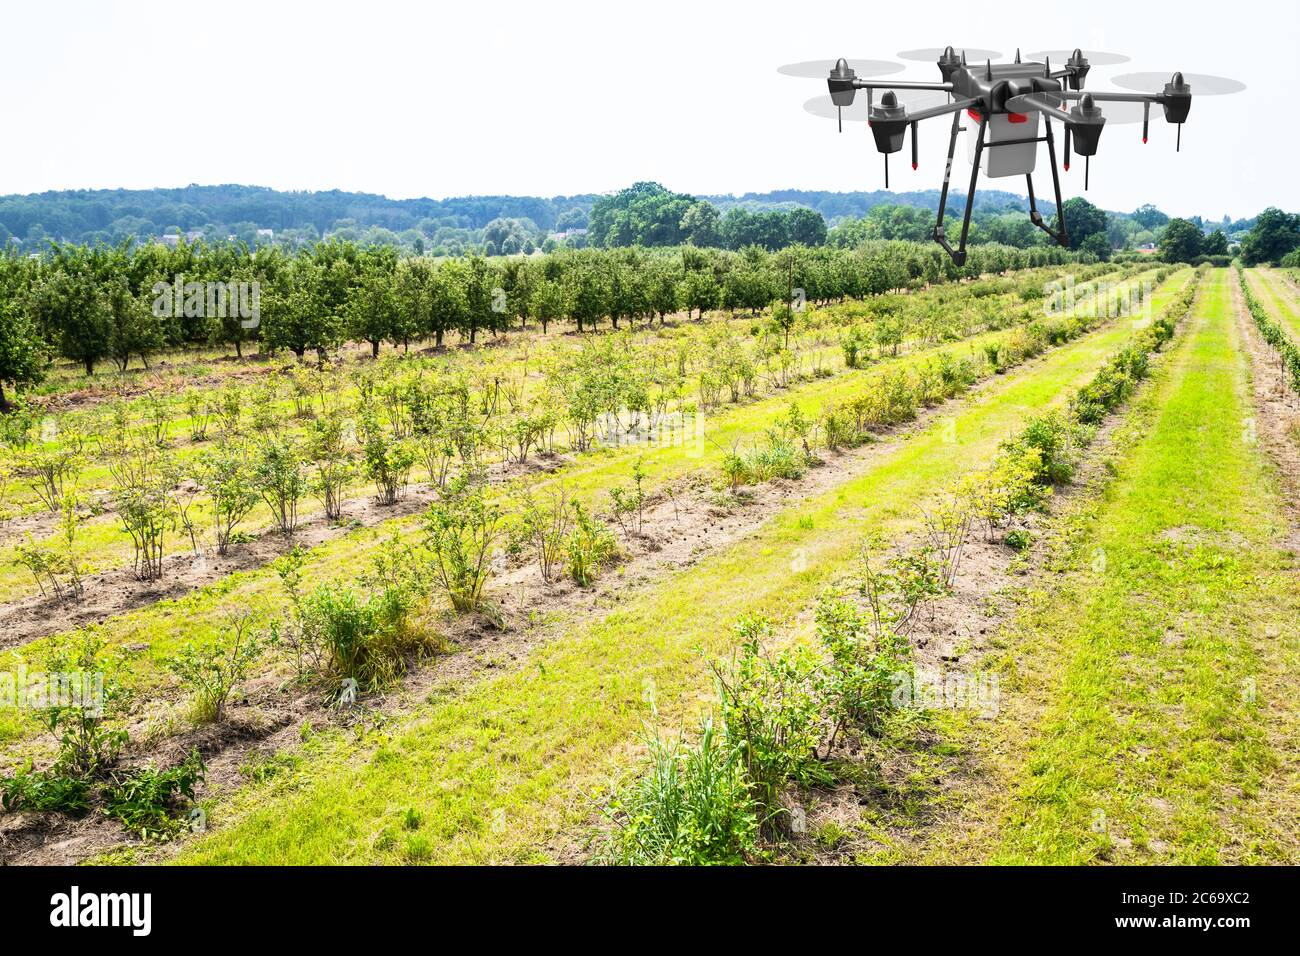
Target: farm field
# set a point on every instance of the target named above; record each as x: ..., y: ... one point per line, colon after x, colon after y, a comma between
x: 743, y: 587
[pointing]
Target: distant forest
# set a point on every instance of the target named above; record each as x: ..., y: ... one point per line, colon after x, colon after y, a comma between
x: 644, y: 214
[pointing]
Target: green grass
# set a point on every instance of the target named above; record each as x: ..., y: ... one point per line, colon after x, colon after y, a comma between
x: 1147, y: 716
x: 499, y: 769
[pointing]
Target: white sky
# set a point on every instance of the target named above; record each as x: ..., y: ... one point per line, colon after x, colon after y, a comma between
x: 548, y: 98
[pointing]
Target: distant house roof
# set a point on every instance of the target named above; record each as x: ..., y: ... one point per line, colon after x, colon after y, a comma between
x: 265, y: 233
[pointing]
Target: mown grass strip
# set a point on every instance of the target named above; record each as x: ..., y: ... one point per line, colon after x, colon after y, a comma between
x: 493, y: 773
x: 1152, y: 746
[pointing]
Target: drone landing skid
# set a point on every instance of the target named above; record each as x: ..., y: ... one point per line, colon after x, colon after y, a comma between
x: 940, y: 236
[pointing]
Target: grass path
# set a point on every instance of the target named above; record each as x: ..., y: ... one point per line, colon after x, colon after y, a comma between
x: 1153, y: 721
x: 496, y: 772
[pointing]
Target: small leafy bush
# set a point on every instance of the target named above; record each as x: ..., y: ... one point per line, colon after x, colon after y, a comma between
x: 591, y: 546
x: 460, y: 529
x: 146, y: 801
x: 212, y: 671
x: 692, y: 806
x: 1054, y: 438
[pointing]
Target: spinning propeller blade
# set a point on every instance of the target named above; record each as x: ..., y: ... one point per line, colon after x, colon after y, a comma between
x: 1200, y: 83
x: 1094, y: 57
x: 820, y: 69
x: 911, y: 100
x: 931, y: 54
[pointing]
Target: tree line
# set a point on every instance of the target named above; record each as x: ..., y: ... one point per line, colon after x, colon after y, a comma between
x: 90, y: 305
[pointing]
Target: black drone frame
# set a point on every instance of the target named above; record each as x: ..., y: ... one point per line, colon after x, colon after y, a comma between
x: 1002, y: 88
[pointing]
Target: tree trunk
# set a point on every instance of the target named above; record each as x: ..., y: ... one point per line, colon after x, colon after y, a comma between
x: 437, y: 338
x: 374, y: 348
x: 239, y: 349
x: 90, y: 366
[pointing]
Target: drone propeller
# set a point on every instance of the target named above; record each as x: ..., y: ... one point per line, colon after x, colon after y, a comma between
x: 1094, y: 57
x: 820, y: 69
x: 931, y: 54
x: 1177, y: 91
x: 1200, y: 84
x: 912, y: 101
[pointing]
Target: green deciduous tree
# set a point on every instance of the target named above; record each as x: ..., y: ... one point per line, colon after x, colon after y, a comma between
x: 1181, y: 241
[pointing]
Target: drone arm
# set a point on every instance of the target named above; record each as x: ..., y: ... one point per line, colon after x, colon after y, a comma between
x: 901, y: 85
x: 956, y: 106
x: 1024, y: 103
x: 1102, y: 96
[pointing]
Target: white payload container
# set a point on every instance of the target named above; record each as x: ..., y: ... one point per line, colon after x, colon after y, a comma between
x: 1000, y: 161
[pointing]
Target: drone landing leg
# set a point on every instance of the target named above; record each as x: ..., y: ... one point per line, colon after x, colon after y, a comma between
x: 960, y: 256
x: 1061, y: 238
x: 1035, y: 216
x: 939, y: 236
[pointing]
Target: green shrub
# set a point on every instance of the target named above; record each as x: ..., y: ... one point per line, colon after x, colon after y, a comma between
x: 30, y: 789
x: 337, y: 632
x: 771, y: 713
x: 145, y: 801
x: 692, y: 806
x: 1018, y: 539
x: 386, y: 460
x: 230, y: 484
x: 279, y: 478
x: 1054, y: 438
x: 460, y: 529
x: 591, y: 546
x: 866, y: 656
x: 213, y: 670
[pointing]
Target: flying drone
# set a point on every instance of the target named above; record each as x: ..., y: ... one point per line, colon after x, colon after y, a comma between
x: 1003, y: 104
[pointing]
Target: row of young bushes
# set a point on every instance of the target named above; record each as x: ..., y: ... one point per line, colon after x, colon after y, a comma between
x: 892, y: 397
x: 349, y: 638
x: 604, y: 391
x: 270, y: 450
x: 342, y: 639
x: 1273, y: 332
x: 783, y: 713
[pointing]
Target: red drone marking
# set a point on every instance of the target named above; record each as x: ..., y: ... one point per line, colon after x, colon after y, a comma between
x: 914, y: 165
x: 1017, y: 118
x: 973, y: 114
x: 1067, y: 167
x: 1144, y: 139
